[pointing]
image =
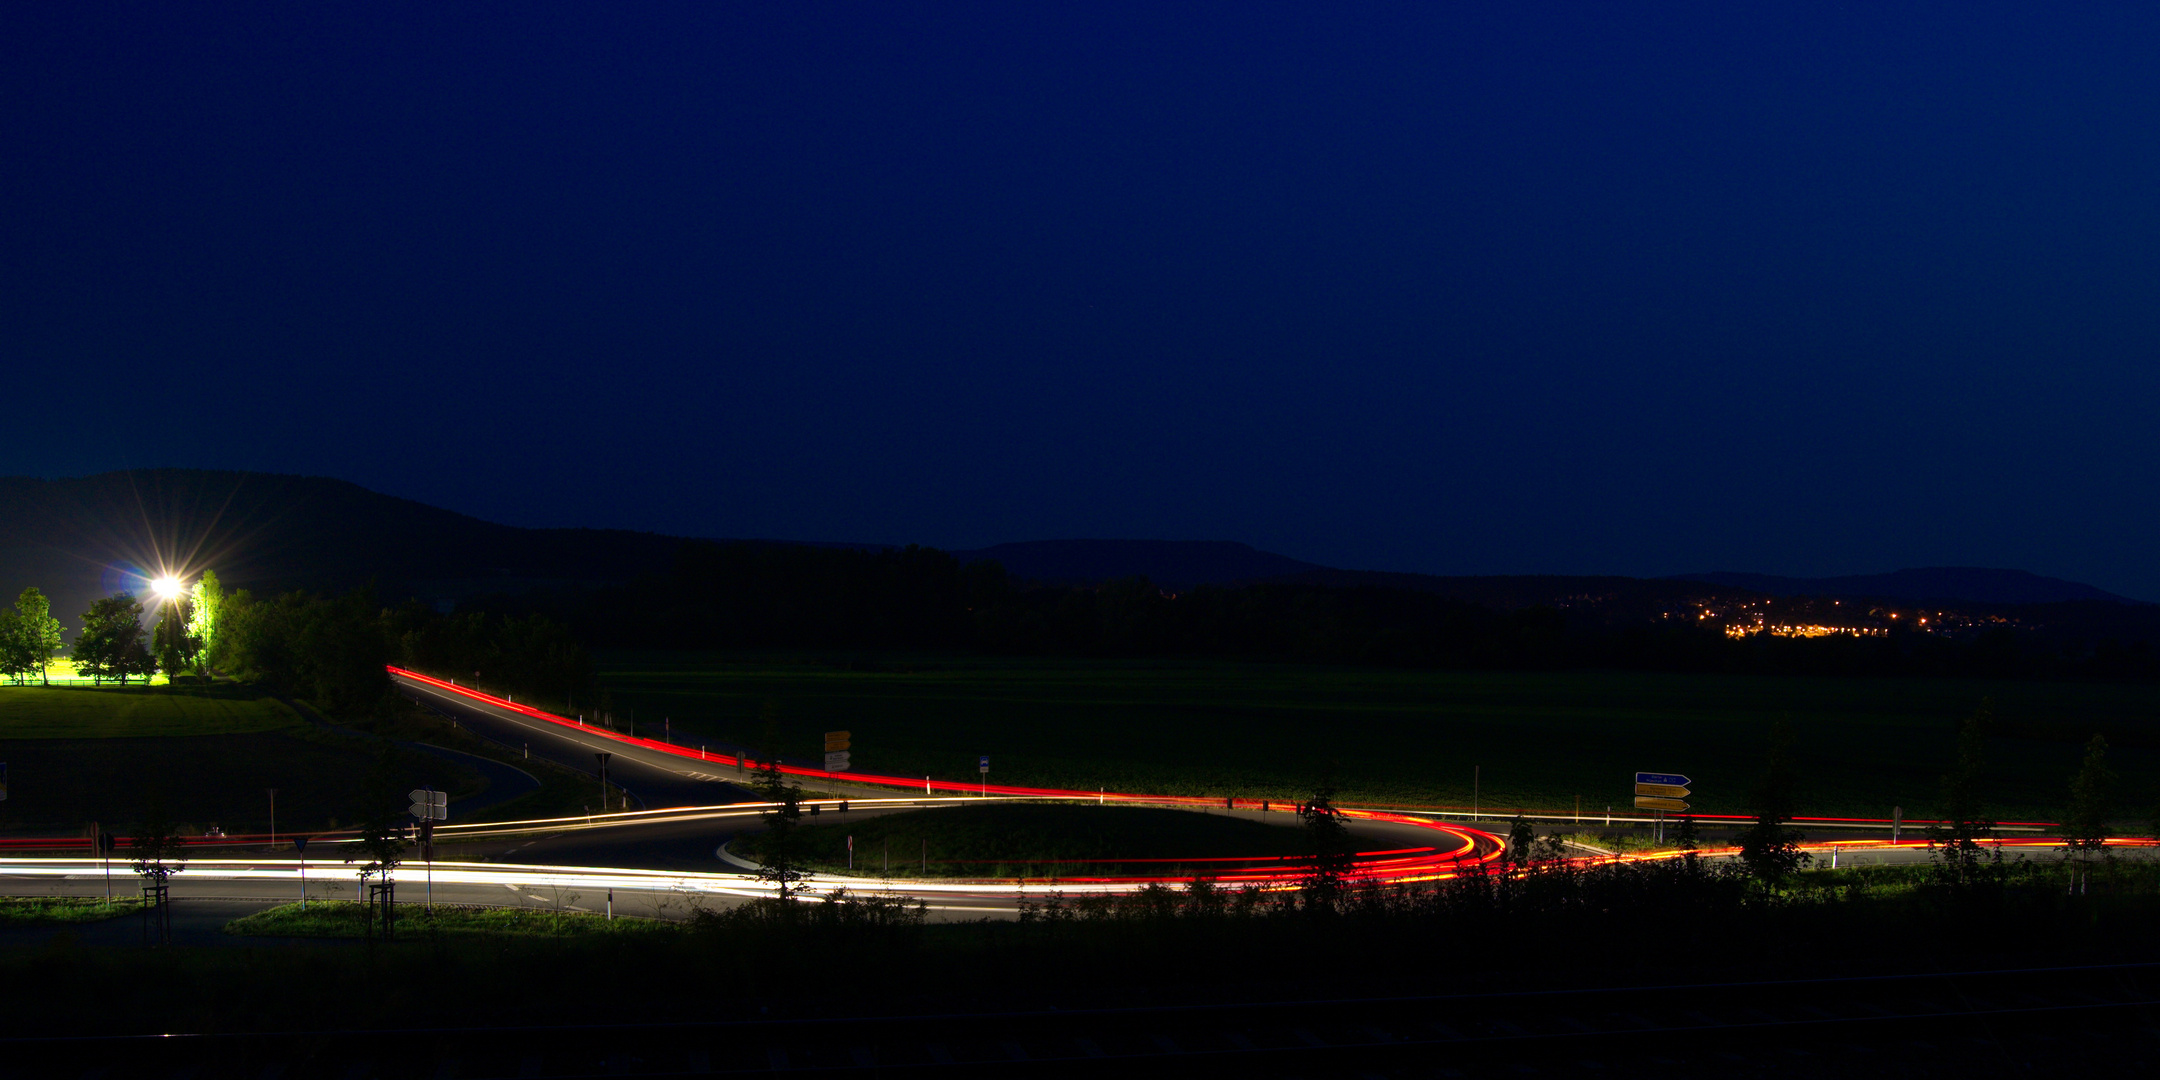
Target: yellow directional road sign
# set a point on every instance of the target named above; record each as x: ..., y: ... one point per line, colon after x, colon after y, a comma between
x: 1645, y: 802
x: 1662, y: 791
x: 836, y: 741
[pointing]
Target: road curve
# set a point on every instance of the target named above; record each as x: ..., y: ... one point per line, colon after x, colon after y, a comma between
x: 1434, y: 849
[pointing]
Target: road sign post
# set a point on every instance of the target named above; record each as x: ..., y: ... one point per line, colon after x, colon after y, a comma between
x: 836, y: 751
x: 984, y: 766
x: 603, y: 757
x: 430, y: 806
x: 1661, y: 792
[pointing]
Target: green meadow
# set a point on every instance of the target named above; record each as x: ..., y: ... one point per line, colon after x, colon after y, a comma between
x: 346, y: 919
x: 1526, y: 740
x: 116, y: 712
x: 205, y: 755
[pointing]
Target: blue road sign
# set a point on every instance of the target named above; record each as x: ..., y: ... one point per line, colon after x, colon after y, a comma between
x: 985, y: 762
x: 1669, y: 779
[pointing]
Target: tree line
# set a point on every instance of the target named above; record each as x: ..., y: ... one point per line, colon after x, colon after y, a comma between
x: 329, y: 649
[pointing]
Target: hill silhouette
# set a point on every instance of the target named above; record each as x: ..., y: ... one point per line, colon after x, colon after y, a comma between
x: 78, y: 539
x: 1955, y: 584
x: 1171, y: 564
x: 81, y: 538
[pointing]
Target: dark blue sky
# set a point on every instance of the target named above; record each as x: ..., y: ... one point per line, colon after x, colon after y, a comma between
x: 1450, y: 288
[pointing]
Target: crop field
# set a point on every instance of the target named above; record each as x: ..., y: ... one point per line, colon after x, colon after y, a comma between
x: 1534, y: 741
x: 115, y: 712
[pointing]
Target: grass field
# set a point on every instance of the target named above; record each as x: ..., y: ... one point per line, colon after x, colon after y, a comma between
x: 48, y: 910
x: 59, y: 786
x: 60, y: 671
x: 341, y: 919
x: 1537, y: 740
x: 1003, y: 840
x: 114, y: 712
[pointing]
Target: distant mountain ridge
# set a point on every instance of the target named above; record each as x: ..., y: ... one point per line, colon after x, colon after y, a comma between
x: 81, y: 538
x: 1967, y: 584
x: 84, y: 537
x: 1170, y: 564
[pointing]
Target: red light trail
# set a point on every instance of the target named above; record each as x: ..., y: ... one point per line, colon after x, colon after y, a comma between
x: 1468, y: 845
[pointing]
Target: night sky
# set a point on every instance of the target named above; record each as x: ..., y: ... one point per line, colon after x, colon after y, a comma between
x: 1453, y: 288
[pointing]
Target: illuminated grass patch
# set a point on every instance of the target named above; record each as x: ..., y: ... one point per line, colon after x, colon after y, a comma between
x: 47, y: 910
x: 111, y: 712
x: 342, y: 919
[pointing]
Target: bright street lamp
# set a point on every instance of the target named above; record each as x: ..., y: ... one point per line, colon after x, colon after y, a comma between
x: 166, y: 587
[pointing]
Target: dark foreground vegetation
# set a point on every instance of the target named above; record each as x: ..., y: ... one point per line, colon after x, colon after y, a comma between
x: 1553, y: 926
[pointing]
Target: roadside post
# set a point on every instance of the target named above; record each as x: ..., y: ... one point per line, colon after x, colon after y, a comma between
x: 1661, y: 792
x: 1475, y: 777
x: 273, y: 817
x: 836, y: 751
x: 105, y: 844
x: 300, y: 845
x: 602, y: 757
x: 1897, y: 822
x: 850, y: 854
x: 430, y: 806
x: 984, y: 766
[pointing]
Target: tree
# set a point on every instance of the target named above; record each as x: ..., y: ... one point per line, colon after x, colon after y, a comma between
x: 36, y: 633
x: 1521, y: 840
x: 382, y: 844
x: 157, y: 850
x: 170, y: 642
x: 779, y: 858
x: 2092, y: 797
x: 17, y: 662
x: 1331, y: 847
x: 158, y: 853
x: 1686, y: 834
x: 1770, y: 848
x: 206, y: 608
x: 1955, y: 843
x: 111, y: 643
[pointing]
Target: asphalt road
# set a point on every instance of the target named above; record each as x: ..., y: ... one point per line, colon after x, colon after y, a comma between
x: 658, y: 862
x: 651, y: 779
